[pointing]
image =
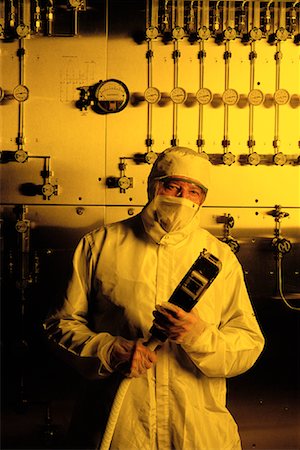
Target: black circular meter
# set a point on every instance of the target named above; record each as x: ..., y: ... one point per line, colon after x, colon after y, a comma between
x: 111, y: 96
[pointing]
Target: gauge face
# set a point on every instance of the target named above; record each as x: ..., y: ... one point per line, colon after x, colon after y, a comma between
x: 203, y: 33
x: 255, y: 97
x: 152, y: 32
x: 21, y: 156
x: 228, y: 158
x: 124, y: 182
x: 22, y: 226
x: 21, y: 93
x: 150, y: 157
x: 111, y: 96
x: 254, y: 159
x: 230, y: 97
x: 47, y: 190
x: 178, y: 33
x: 280, y: 159
x: 256, y: 34
x: 152, y: 95
x: 178, y: 95
x: 204, y: 96
x: 281, y: 97
x: 22, y: 30
x: 230, y: 33
x: 282, y: 34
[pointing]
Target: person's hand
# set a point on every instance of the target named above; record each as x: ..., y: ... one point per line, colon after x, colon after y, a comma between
x: 131, y: 358
x: 180, y: 326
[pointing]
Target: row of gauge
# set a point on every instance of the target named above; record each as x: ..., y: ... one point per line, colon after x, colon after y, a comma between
x: 114, y: 90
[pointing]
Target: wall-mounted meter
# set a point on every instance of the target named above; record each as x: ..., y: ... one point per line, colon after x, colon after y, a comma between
x: 255, y: 34
x: 230, y: 97
x: 151, y: 32
x: 110, y: 96
x: 203, y: 33
x: 204, y: 96
x: 178, y: 33
x: 255, y: 97
x: 281, y: 97
x: 178, y: 95
x: 21, y: 93
x: 152, y: 95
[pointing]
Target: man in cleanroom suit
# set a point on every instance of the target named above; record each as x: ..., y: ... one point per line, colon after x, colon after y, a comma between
x: 123, y: 275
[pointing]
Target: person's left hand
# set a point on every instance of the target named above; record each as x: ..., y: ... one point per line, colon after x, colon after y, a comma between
x: 180, y: 326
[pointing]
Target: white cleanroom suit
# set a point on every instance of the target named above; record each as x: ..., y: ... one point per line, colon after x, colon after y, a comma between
x: 121, y: 271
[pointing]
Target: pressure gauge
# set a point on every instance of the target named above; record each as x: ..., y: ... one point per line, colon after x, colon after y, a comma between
x: 22, y: 226
x: 256, y: 34
x: 21, y: 156
x: 178, y: 95
x: 111, y: 96
x: 281, y: 97
x: 178, y: 33
x: 203, y: 33
x: 230, y: 97
x: 152, y: 95
x: 254, y: 159
x: 150, y: 157
x: 75, y: 3
x: 152, y: 32
x: 228, y: 158
x: 279, y: 159
x: 282, y: 34
x: 256, y: 97
x: 230, y: 34
x: 124, y: 182
x: 204, y: 96
x: 21, y: 93
x: 22, y: 30
x: 48, y: 190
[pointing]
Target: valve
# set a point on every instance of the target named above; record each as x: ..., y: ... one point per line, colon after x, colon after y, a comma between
x: 228, y: 222
x: 280, y: 245
x: 123, y: 183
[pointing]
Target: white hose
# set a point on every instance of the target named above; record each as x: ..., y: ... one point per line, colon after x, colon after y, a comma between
x: 152, y: 344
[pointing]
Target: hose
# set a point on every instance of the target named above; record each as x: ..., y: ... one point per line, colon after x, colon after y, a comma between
x: 152, y: 344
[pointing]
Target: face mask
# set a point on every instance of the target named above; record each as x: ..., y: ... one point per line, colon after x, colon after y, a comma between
x: 174, y: 213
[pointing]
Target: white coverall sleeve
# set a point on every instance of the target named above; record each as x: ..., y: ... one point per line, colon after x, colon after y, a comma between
x: 232, y: 347
x: 68, y: 328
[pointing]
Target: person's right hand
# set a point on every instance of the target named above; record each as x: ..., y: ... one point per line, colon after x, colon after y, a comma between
x: 131, y: 358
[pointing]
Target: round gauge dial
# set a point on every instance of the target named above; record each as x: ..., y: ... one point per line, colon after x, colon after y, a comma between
x: 256, y: 97
x: 22, y: 30
x: 124, y: 182
x: 204, y: 96
x: 152, y: 95
x: 111, y: 96
x: 21, y: 156
x: 75, y: 3
x: 178, y: 33
x: 203, y: 33
x: 230, y: 33
x: 47, y: 190
x: 150, y: 157
x: 279, y: 159
x: 256, y: 34
x: 228, y: 158
x: 282, y: 34
x: 178, y: 95
x: 230, y: 97
x: 21, y: 93
x: 254, y: 159
x: 22, y: 226
x: 152, y: 32
x: 281, y: 97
